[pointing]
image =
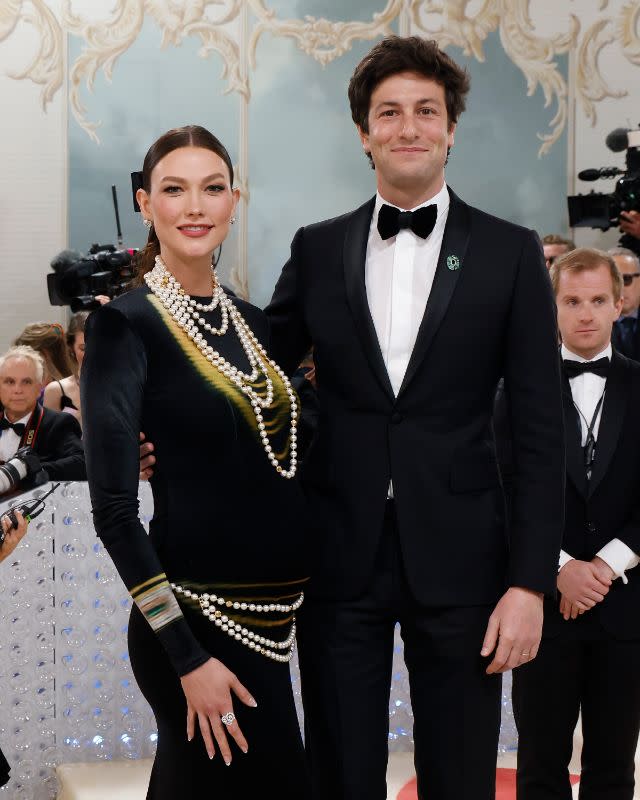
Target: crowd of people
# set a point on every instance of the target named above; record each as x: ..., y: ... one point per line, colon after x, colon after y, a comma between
x: 502, y: 531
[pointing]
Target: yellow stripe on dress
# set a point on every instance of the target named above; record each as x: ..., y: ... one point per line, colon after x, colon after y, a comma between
x: 276, y: 418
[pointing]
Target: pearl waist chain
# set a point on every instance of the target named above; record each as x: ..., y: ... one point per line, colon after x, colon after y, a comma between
x: 212, y: 606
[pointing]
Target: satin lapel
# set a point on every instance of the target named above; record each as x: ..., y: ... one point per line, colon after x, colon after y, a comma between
x: 354, y: 256
x: 454, y: 243
x: 573, y: 439
x: 613, y: 412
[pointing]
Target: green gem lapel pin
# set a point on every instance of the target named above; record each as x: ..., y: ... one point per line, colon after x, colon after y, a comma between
x: 453, y: 263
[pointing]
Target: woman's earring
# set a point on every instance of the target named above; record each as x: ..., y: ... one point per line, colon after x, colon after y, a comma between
x: 233, y: 219
x: 147, y: 224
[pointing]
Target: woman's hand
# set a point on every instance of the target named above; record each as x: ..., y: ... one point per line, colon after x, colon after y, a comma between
x: 12, y: 535
x: 208, y: 691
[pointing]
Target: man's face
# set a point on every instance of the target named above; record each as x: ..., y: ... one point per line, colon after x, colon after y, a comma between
x: 586, y: 310
x: 631, y: 292
x: 409, y: 135
x: 553, y: 251
x: 19, y: 387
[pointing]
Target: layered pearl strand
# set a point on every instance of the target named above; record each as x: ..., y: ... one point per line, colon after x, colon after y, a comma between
x: 261, y: 644
x: 185, y: 311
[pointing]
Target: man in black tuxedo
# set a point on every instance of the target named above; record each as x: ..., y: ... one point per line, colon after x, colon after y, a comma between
x: 54, y: 436
x: 626, y: 330
x: 414, y: 317
x: 589, y: 659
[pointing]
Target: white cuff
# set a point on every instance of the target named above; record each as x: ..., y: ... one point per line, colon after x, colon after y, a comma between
x: 564, y: 558
x: 619, y: 557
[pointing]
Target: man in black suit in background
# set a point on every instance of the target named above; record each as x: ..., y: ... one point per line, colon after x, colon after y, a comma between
x: 589, y: 659
x: 414, y: 316
x: 55, y: 437
x: 626, y: 330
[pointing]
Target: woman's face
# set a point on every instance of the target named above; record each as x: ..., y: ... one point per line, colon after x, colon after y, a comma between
x: 78, y: 347
x: 191, y: 203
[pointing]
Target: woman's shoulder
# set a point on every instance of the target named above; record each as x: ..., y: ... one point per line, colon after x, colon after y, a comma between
x: 130, y: 302
x: 124, y: 316
x: 125, y: 309
x: 53, y: 391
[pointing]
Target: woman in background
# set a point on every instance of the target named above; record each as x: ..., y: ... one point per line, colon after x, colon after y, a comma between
x: 64, y: 394
x: 48, y: 339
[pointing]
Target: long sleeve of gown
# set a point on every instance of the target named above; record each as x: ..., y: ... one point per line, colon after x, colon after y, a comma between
x: 112, y: 390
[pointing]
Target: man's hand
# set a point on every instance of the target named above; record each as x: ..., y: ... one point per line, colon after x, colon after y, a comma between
x: 604, y: 570
x: 630, y: 223
x: 12, y: 535
x: 146, y: 459
x: 516, y: 628
x: 583, y: 583
x: 568, y: 609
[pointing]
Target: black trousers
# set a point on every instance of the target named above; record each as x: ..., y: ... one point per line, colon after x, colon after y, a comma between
x: 583, y: 668
x: 346, y: 653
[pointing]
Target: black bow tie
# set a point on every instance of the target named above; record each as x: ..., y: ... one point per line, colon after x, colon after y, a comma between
x: 18, y: 427
x: 421, y: 221
x: 575, y: 368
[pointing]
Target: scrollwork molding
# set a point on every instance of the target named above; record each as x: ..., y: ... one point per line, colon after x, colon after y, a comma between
x: 232, y: 29
x: 325, y: 40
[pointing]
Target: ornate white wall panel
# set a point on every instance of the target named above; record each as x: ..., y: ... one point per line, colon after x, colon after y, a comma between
x: 601, y: 36
x: 33, y: 195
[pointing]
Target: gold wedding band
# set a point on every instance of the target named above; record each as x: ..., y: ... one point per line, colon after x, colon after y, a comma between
x: 525, y: 652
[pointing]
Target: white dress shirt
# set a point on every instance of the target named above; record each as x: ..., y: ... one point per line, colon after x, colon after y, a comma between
x: 586, y: 390
x: 10, y: 441
x: 399, y: 273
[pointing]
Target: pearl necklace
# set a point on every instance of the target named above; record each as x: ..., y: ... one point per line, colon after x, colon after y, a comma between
x: 240, y: 633
x: 184, y: 310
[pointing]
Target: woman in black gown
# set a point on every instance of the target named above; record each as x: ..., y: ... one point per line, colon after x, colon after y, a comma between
x: 217, y: 582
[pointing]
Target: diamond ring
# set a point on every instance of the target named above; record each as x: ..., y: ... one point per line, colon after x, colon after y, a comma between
x: 228, y: 718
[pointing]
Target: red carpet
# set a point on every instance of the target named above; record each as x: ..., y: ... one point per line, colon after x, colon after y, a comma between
x: 505, y: 786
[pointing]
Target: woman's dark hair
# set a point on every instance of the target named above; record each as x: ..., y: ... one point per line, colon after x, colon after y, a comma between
x: 396, y: 54
x: 76, y: 325
x: 188, y: 136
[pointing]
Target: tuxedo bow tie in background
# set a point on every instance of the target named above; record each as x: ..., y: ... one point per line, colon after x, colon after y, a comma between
x: 575, y: 368
x: 18, y: 427
x: 421, y: 221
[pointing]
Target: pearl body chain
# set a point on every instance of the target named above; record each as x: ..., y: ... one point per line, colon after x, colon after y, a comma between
x: 261, y: 644
x: 185, y: 311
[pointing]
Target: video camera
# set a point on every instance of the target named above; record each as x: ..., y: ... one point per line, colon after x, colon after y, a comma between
x: 600, y: 210
x: 77, y: 279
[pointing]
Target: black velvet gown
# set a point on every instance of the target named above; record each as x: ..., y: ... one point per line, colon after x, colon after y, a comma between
x: 224, y: 522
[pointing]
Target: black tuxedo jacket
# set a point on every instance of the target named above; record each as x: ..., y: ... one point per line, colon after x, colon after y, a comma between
x: 608, y: 506
x: 492, y: 316
x: 631, y: 350
x: 59, y: 446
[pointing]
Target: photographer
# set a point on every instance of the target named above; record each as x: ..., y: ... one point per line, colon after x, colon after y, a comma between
x: 626, y: 332
x: 36, y: 444
x: 11, y: 540
x: 554, y: 246
x: 630, y: 224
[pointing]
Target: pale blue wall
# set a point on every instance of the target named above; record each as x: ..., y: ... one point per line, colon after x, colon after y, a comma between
x: 152, y: 90
x: 305, y: 160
